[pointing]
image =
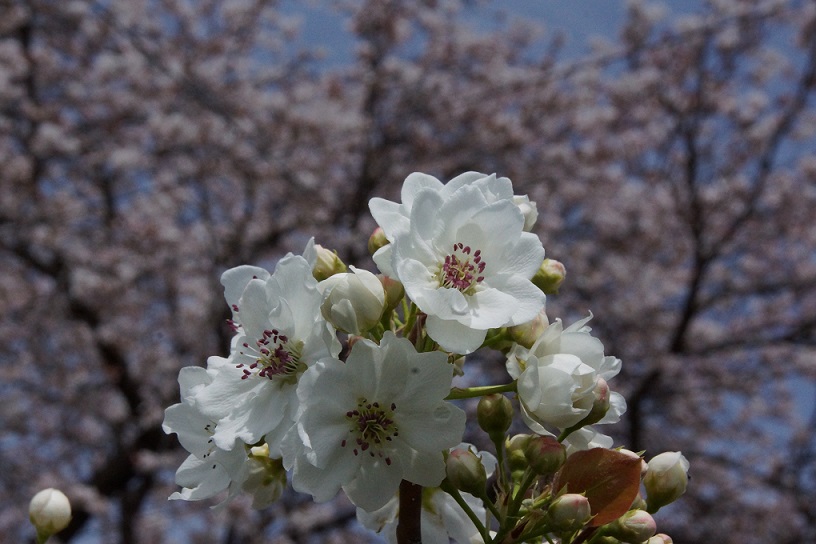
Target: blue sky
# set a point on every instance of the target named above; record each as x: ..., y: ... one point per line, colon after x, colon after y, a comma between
x: 578, y: 20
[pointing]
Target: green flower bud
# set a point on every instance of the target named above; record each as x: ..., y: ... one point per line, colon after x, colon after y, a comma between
x: 569, y: 512
x: 634, y: 527
x: 666, y: 479
x: 328, y: 263
x: 495, y: 414
x: 49, y: 512
x: 465, y: 471
x: 377, y: 240
x: 545, y: 454
x: 515, y: 445
x: 550, y: 276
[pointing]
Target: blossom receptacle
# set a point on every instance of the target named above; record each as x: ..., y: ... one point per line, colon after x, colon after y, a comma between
x: 49, y: 512
x: 666, y: 479
x: 550, y: 276
x: 353, y: 301
x: 545, y: 454
x: 569, y: 512
x: 328, y: 263
x: 634, y: 527
x: 465, y: 471
x: 495, y: 415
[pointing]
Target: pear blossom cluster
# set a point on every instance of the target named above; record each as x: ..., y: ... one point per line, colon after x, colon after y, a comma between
x: 340, y: 379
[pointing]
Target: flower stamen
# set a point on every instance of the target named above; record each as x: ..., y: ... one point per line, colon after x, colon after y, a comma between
x: 461, y: 270
x: 372, y: 427
x: 276, y: 358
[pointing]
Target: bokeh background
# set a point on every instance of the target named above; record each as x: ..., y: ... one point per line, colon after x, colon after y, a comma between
x: 148, y: 145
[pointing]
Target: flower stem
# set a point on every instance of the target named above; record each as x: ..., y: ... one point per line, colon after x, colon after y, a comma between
x: 409, y: 528
x: 453, y: 492
x: 471, y: 392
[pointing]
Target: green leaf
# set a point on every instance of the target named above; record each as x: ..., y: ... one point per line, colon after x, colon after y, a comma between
x: 610, y: 480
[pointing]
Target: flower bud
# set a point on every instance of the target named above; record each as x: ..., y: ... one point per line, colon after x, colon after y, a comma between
x: 377, y: 240
x: 545, y: 454
x: 634, y: 527
x: 526, y: 334
x: 495, y: 414
x: 643, y: 465
x: 660, y: 538
x: 528, y: 209
x: 666, y: 479
x: 49, y: 512
x: 569, y: 512
x: 465, y: 471
x: 353, y: 301
x: 550, y: 276
x: 394, y: 291
x: 515, y: 445
x: 328, y: 263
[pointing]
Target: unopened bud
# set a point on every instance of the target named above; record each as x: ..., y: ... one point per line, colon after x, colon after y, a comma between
x: 495, y: 415
x: 515, y: 445
x: 666, y: 479
x: 49, y: 512
x: 660, y: 538
x: 643, y: 465
x: 550, y: 276
x: 377, y: 240
x: 634, y: 527
x: 394, y: 291
x: 354, y: 301
x: 465, y: 471
x: 528, y: 209
x: 569, y: 512
x: 526, y: 334
x: 328, y: 263
x: 545, y: 454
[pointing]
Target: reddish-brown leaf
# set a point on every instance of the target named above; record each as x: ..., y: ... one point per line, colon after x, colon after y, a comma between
x: 609, y: 479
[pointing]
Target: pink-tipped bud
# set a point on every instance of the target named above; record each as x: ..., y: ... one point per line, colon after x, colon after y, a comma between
x: 666, y: 479
x: 328, y: 263
x: 394, y: 291
x: 545, y: 454
x: 634, y: 527
x: 465, y: 471
x: 377, y: 240
x: 660, y: 538
x: 569, y: 512
x: 550, y: 276
x: 526, y: 334
x: 495, y: 415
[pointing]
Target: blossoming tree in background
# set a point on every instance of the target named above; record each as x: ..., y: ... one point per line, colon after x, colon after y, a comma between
x: 461, y: 272
x: 149, y: 145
